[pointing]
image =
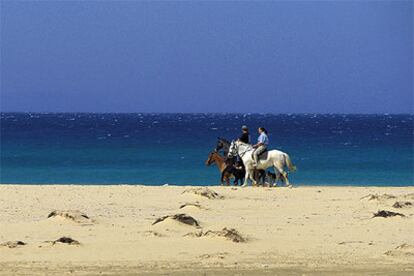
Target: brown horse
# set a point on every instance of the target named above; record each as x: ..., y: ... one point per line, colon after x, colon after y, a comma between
x: 214, y: 157
x: 227, y: 170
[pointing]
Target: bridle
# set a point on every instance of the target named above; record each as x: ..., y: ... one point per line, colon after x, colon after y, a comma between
x: 210, y: 159
x: 241, y: 154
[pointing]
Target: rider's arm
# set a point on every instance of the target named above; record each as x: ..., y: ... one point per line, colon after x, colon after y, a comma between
x: 260, y: 142
x: 258, y: 145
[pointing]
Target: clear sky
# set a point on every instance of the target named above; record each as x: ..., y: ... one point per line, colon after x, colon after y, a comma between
x: 111, y: 56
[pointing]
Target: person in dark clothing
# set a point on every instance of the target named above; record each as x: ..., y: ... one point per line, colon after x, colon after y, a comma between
x: 245, y: 137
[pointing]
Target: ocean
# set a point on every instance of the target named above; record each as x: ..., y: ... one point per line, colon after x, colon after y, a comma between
x: 157, y: 149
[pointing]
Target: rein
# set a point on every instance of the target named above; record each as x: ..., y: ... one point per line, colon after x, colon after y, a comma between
x: 243, y: 153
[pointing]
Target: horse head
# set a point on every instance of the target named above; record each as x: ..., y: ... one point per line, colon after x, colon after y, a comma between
x: 233, y: 149
x: 210, y: 159
x: 219, y: 145
x: 222, y: 144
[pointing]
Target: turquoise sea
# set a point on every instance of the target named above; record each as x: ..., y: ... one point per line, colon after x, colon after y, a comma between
x: 154, y: 149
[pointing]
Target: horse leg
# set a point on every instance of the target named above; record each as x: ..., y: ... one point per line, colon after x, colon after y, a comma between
x: 241, y: 179
x: 279, y: 175
x: 267, y: 180
x: 263, y: 178
x: 251, y: 176
x: 223, y: 177
x: 256, y: 178
x: 227, y: 178
x: 284, y: 175
x: 246, y: 177
x: 236, y: 179
x: 277, y: 178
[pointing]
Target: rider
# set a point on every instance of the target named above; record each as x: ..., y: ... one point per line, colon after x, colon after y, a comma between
x: 245, y: 137
x: 261, y: 145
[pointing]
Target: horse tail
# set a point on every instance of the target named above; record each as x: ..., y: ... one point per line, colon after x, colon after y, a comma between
x: 289, y: 163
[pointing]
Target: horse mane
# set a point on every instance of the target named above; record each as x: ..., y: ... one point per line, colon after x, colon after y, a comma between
x: 241, y: 142
x: 246, y: 144
x: 223, y: 140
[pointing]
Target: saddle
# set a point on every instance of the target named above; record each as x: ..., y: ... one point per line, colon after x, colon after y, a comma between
x: 262, y: 156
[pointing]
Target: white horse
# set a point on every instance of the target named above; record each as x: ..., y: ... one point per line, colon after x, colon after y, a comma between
x: 277, y: 159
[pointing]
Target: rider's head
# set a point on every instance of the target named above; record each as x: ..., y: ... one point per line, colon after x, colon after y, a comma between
x: 245, y: 129
x: 262, y: 129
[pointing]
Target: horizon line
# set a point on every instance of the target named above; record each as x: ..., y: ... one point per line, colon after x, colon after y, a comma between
x: 230, y: 113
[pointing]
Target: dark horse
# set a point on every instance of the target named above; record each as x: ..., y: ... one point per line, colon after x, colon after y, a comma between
x: 224, y: 145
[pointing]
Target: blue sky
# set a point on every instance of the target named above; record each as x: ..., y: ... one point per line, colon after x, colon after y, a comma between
x: 110, y: 56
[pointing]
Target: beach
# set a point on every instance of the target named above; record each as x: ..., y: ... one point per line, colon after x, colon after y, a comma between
x: 187, y: 230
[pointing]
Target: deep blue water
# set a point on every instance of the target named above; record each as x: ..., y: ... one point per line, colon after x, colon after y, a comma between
x: 86, y: 148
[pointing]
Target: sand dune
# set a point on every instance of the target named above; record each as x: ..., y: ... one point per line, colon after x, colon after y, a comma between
x: 214, y: 230
x: 12, y: 244
x: 228, y: 234
x: 71, y: 215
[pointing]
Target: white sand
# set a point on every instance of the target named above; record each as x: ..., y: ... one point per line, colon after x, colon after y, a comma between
x: 294, y: 230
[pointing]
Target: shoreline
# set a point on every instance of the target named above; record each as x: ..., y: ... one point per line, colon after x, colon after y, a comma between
x: 306, y: 229
x: 208, y: 186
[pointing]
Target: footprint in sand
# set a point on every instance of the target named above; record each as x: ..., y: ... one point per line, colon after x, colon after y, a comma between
x: 406, y: 250
x: 378, y: 197
x: 403, y: 204
x: 204, y: 192
x: 230, y: 234
x: 218, y: 255
x: 408, y: 196
x: 151, y: 233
